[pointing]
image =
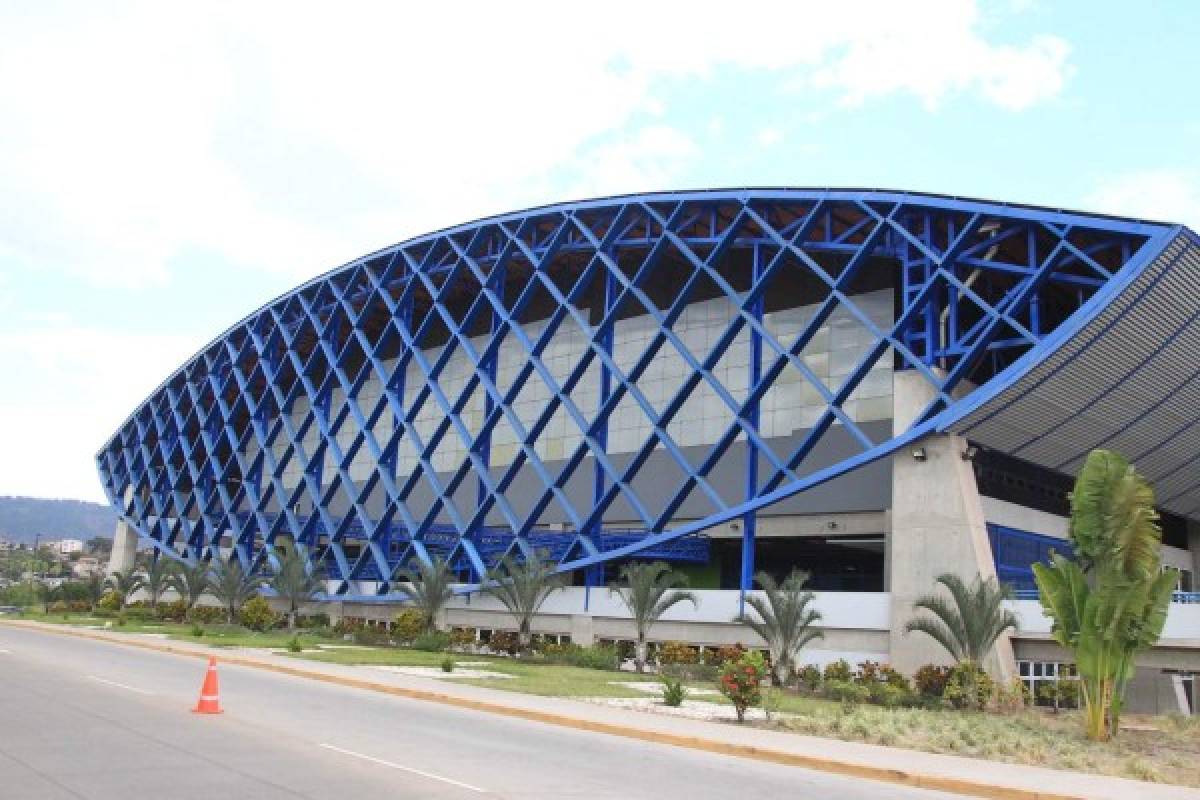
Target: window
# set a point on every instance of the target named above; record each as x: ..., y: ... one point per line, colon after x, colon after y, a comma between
x: 1035, y: 674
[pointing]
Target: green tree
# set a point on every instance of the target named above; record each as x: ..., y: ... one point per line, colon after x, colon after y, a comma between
x: 522, y: 588
x: 231, y: 585
x: 969, y: 623
x: 294, y: 584
x: 1111, y: 602
x: 786, y: 620
x: 648, y: 590
x: 190, y: 582
x: 156, y: 578
x: 94, y: 585
x: 429, y: 588
x: 124, y: 583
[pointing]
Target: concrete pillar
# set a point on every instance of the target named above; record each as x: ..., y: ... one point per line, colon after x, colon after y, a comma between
x: 124, y: 548
x: 1194, y: 548
x: 938, y: 526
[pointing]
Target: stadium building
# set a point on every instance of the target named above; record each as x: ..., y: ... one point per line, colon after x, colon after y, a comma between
x: 874, y: 386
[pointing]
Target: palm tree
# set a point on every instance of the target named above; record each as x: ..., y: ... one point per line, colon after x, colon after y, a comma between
x: 786, y: 620
x: 124, y: 583
x: 231, y: 585
x: 156, y: 578
x: 970, y: 622
x: 648, y: 590
x: 295, y: 584
x: 522, y: 588
x: 429, y: 588
x: 190, y: 582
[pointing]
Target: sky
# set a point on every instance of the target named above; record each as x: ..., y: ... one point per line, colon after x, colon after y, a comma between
x: 166, y: 169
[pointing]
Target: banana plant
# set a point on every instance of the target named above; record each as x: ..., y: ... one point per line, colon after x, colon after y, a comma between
x: 1111, y: 603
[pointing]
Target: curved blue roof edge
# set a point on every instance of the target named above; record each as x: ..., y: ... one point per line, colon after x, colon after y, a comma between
x: 926, y: 199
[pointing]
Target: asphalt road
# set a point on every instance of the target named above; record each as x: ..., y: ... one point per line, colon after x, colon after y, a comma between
x: 86, y: 719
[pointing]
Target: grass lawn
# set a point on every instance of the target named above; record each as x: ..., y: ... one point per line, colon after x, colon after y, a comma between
x: 1170, y: 752
x: 549, y: 680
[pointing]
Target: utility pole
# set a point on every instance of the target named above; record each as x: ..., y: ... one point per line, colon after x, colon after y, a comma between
x: 32, y: 566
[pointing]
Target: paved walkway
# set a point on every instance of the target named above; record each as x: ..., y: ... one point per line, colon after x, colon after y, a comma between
x: 929, y: 770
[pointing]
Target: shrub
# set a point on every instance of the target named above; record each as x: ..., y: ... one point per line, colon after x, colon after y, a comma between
x: 968, y: 686
x: 318, y: 620
x: 138, y: 614
x: 462, y: 638
x: 595, y: 657
x: 741, y: 682
x: 889, y: 695
x: 122, y: 619
x: 78, y: 606
x: 257, y: 615
x: 434, y: 641
x: 1059, y: 694
x: 729, y: 652
x: 58, y: 607
x: 893, y: 677
x: 408, y: 625
x: 503, y: 642
x: 848, y: 693
x: 869, y: 673
x: 691, y: 672
x: 111, y: 601
x: 810, y: 677
x: 677, y: 653
x: 171, y: 612
x: 674, y: 692
x: 1013, y: 697
x: 294, y: 645
x: 371, y: 637
x: 838, y: 671
x: 207, y: 615
x: 447, y: 664
x: 931, y: 680
x: 197, y: 630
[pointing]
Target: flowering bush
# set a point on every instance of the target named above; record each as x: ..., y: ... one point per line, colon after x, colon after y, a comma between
x: 729, y: 652
x: 257, y: 615
x: 741, y: 682
x: 838, y: 671
x: 931, y: 680
x: 408, y: 625
x: 810, y: 677
x: 111, y: 601
x: 677, y: 653
x: 462, y: 638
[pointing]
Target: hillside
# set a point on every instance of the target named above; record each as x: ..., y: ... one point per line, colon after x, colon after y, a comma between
x: 22, y: 518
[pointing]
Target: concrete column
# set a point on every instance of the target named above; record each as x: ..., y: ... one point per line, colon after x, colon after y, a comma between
x: 124, y: 548
x: 938, y: 526
x: 1194, y: 549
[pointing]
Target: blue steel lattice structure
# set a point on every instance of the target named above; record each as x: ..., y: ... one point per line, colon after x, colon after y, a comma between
x: 339, y: 416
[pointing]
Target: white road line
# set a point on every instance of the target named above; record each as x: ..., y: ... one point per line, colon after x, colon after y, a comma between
x: 118, y: 685
x: 381, y: 762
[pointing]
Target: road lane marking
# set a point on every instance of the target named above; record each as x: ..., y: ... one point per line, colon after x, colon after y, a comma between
x: 118, y: 685
x: 381, y: 762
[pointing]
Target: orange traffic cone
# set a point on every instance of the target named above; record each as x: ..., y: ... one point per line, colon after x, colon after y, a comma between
x: 209, y: 702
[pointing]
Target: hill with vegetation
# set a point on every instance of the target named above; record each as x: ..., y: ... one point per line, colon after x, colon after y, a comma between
x: 23, y: 518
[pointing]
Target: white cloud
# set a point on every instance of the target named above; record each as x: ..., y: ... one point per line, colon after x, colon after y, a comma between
x: 769, y: 136
x: 939, y: 54
x: 1167, y: 195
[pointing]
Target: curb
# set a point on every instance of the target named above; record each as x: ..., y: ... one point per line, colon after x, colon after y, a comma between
x: 820, y: 763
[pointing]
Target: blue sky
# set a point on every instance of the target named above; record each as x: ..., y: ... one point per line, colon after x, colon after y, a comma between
x: 166, y: 171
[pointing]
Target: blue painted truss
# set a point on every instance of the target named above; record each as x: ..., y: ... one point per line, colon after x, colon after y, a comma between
x: 980, y: 291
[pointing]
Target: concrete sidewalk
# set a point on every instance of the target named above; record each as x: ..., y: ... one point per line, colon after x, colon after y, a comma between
x: 966, y: 776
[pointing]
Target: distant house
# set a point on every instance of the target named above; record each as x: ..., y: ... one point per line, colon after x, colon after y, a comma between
x: 68, y: 546
x: 86, y: 566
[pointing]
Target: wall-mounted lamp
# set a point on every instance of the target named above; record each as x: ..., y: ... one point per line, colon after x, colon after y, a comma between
x: 918, y: 454
x: 734, y: 525
x: 970, y: 453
